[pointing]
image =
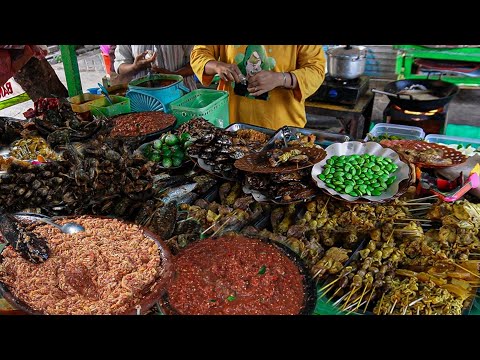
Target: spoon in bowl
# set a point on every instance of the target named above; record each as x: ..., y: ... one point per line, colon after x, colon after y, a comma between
x: 68, y: 228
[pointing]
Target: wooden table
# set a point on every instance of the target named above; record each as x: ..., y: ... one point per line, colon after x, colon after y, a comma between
x: 355, y: 120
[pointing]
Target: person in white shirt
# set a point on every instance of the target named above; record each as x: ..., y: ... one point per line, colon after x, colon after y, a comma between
x: 134, y: 61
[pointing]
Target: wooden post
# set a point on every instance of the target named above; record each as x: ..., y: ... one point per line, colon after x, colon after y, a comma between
x: 69, y: 59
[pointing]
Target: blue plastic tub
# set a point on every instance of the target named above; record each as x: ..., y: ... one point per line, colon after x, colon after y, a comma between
x: 144, y: 98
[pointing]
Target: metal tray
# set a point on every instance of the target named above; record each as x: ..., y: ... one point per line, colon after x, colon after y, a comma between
x: 240, y: 126
x: 258, y: 162
x: 287, y: 133
x: 261, y: 197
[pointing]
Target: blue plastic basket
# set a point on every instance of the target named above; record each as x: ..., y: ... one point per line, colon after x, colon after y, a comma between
x: 156, y: 98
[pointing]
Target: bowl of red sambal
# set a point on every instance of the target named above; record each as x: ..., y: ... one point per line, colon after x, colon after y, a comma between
x: 238, y: 275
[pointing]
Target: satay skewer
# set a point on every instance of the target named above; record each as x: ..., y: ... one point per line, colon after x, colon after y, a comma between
x: 223, y: 225
x: 216, y: 222
x: 352, y: 305
x: 325, y: 292
x: 369, y: 298
x: 339, y: 300
x: 334, y: 281
x: 414, y: 219
x: 390, y: 237
x: 348, y: 299
x: 416, y: 204
x: 406, y: 306
x: 465, y: 269
x: 422, y: 198
x: 325, y: 206
x: 329, y: 284
x: 188, y: 218
x: 393, y: 307
x: 380, y: 305
x: 420, y: 209
x: 335, y: 293
x: 361, y: 296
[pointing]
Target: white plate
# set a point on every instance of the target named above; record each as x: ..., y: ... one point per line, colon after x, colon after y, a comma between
x: 359, y: 148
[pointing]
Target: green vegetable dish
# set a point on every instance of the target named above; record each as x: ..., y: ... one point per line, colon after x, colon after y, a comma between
x: 169, y: 150
x: 359, y: 175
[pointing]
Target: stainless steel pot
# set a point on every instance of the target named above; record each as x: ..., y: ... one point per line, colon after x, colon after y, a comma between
x: 346, y: 62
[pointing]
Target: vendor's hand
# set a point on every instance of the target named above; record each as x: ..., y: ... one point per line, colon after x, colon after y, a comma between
x: 228, y: 72
x: 159, y: 70
x: 140, y: 63
x: 264, y: 81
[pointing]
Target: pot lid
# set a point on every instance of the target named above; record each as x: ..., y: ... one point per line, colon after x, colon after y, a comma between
x: 348, y: 51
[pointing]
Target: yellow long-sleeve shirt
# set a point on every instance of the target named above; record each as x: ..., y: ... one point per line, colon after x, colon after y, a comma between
x: 284, y: 106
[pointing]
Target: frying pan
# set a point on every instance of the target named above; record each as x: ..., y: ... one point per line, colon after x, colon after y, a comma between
x: 445, y: 91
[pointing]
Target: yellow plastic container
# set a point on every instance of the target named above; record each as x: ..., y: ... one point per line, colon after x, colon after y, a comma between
x: 80, y: 103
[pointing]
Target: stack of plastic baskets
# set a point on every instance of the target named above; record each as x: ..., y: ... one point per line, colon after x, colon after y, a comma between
x: 212, y: 105
x: 144, y: 98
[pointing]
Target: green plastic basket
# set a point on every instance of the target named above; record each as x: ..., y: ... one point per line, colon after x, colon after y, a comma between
x: 212, y: 105
x: 99, y: 107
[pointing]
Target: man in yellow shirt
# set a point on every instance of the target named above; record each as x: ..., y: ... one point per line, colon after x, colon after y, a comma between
x: 267, y: 84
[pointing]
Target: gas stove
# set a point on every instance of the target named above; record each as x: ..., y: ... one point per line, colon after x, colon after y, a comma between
x: 343, y: 92
x: 432, y: 122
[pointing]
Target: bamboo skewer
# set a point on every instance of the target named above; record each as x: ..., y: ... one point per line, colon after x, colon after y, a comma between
x: 415, y: 301
x: 380, y: 305
x: 361, y: 296
x: 223, y: 225
x: 421, y: 220
x: 317, y: 273
x: 330, y: 283
x: 421, y: 199
x: 348, y: 313
x: 354, y: 290
x: 216, y: 222
x: 417, y: 204
x: 461, y: 267
x: 325, y: 292
x: 407, y: 232
x: 369, y: 298
x: 393, y: 307
x: 420, y: 209
x: 325, y: 206
x: 335, y: 293
x: 390, y: 237
x: 406, y: 306
x: 339, y: 300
